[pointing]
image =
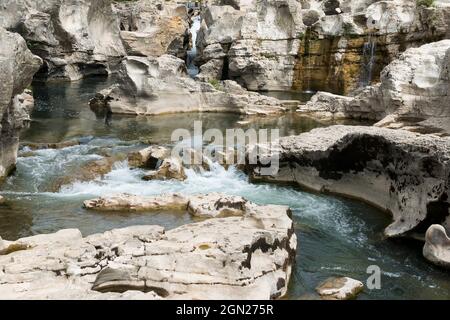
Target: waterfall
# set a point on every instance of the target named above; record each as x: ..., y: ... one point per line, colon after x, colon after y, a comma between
x: 368, y: 61
x: 192, y: 53
x: 308, y: 65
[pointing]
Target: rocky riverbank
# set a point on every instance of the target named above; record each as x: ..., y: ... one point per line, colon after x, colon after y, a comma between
x: 246, y: 256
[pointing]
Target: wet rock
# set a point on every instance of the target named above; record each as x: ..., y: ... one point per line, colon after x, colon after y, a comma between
x: 2, y: 200
x: 437, y: 246
x: 170, y: 168
x: 399, y: 100
x: 313, y: 45
x: 249, y: 256
x: 401, y: 172
x: 17, y: 68
x: 150, y: 86
x: 75, y: 38
x: 149, y: 158
x: 341, y: 288
x: 89, y: 171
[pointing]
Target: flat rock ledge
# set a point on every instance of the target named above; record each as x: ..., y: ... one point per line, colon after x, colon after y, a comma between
x: 246, y: 256
x: 404, y: 173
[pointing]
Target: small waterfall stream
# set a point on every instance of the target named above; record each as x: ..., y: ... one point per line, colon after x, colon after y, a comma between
x: 368, y: 61
x: 192, y: 53
x: 308, y: 65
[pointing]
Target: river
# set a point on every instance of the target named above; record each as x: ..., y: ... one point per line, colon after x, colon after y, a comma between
x: 336, y: 236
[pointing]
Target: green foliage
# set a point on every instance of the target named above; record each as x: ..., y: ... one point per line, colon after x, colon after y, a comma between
x: 215, y: 83
x: 425, y: 3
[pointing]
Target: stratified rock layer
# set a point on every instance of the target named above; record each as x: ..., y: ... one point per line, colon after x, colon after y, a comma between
x: 404, y: 173
x: 17, y: 67
x: 249, y: 256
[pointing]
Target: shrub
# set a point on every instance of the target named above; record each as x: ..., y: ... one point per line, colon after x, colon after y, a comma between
x: 425, y: 3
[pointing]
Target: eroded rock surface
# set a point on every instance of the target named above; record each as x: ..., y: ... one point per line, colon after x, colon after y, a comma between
x: 404, y: 173
x: 437, y: 246
x: 17, y: 68
x: 413, y: 94
x: 149, y: 86
x: 75, y: 38
x: 249, y: 256
x: 342, y: 288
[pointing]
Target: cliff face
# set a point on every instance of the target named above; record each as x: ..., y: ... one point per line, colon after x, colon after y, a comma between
x: 413, y: 94
x: 334, y: 46
x: 75, y: 38
x: 17, y: 67
x: 153, y: 28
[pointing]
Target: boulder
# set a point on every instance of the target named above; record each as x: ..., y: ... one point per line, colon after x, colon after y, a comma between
x: 404, y: 173
x: 437, y: 246
x: 340, y: 288
x: 148, y: 158
x: 244, y: 257
x: 150, y: 86
x: 17, y: 68
x: 76, y: 38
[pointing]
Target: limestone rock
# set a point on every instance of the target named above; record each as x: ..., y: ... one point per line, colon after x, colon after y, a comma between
x: 170, y: 168
x: 152, y: 28
x: 437, y: 246
x: 149, y: 158
x: 401, y: 172
x: 342, y: 288
x: 217, y: 205
x: 413, y: 94
x: 17, y: 68
x: 76, y: 38
x: 244, y: 257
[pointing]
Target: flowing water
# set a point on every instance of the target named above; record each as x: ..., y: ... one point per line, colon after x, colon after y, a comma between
x: 368, y: 61
x: 336, y: 236
x: 192, y: 69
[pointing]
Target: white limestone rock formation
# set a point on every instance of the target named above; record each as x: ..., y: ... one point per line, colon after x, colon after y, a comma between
x: 249, y: 256
x: 17, y: 68
x: 404, y: 173
x: 413, y: 94
x: 154, y: 28
x: 76, y: 38
x: 312, y: 44
x: 150, y: 86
